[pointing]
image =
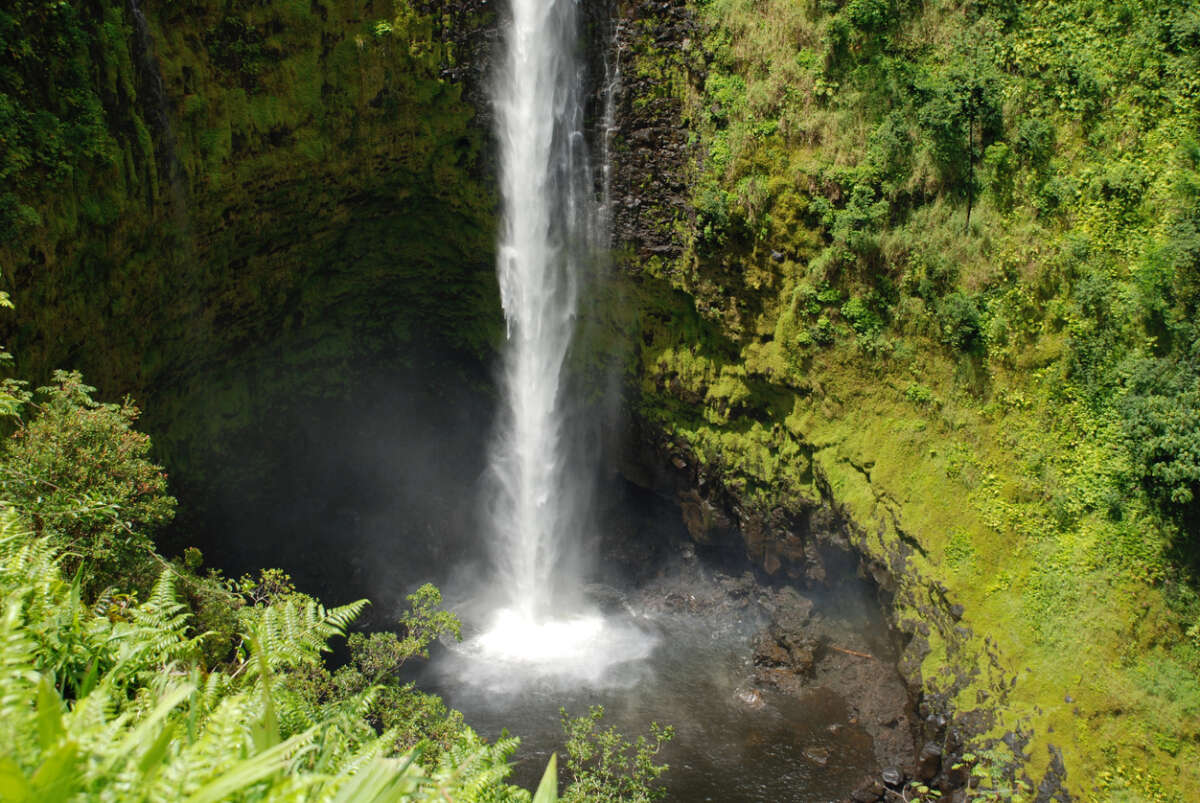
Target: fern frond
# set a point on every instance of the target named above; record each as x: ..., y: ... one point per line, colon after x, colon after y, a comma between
x: 295, y: 631
x: 343, y: 616
x: 18, y: 680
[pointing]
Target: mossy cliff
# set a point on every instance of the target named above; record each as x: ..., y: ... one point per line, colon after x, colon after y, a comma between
x: 924, y: 277
x: 218, y: 205
x: 918, y: 276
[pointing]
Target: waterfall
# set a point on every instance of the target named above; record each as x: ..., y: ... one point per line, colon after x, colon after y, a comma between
x: 546, y: 234
x: 608, y: 126
x: 553, y: 229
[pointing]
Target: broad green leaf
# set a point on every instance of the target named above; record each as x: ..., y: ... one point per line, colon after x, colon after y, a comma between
x: 149, y: 763
x: 14, y: 786
x: 141, y: 735
x: 547, y: 791
x: 250, y: 771
x: 49, y: 714
x: 382, y: 780
x: 57, y: 777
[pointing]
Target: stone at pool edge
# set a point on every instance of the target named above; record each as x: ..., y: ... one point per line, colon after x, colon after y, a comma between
x: 929, y: 762
x: 868, y: 791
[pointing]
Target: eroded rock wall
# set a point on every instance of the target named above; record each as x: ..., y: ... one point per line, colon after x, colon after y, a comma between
x: 272, y: 172
x: 773, y: 489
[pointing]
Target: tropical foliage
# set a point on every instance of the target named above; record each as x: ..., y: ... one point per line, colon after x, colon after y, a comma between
x: 110, y: 702
x: 82, y: 476
x: 605, y: 767
x: 125, y: 676
x: 105, y: 696
x: 942, y: 271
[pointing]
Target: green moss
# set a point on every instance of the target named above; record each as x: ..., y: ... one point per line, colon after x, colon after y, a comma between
x: 327, y: 201
x: 960, y: 380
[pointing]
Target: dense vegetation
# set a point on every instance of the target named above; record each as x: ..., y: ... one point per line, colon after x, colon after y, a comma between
x: 943, y: 261
x: 144, y: 679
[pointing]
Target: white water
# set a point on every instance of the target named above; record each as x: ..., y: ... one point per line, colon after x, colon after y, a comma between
x: 552, y: 229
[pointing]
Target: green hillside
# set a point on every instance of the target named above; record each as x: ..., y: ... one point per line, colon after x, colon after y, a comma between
x: 932, y: 268
x: 941, y: 266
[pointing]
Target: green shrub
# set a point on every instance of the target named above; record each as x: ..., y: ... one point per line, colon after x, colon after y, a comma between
x: 1056, y: 192
x: 605, y: 767
x: 78, y: 471
x: 961, y: 322
x: 888, y: 157
x: 871, y: 15
x: 1161, y: 414
x: 857, y: 225
x: 822, y: 332
x: 1035, y: 141
x: 862, y: 317
x: 918, y: 394
x: 1122, y: 184
x: 999, y: 169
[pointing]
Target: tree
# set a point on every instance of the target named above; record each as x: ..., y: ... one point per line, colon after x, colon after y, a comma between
x: 961, y: 112
x: 80, y: 473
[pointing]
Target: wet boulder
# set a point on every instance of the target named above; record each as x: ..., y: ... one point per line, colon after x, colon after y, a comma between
x: 868, y: 791
x: 929, y: 761
x: 770, y: 653
x: 817, y: 755
x: 779, y: 649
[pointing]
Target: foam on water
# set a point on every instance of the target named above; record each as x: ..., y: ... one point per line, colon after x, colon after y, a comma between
x: 552, y: 230
x: 586, y: 648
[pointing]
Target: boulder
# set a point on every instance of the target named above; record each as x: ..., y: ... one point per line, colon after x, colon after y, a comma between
x: 868, y: 791
x: 929, y: 761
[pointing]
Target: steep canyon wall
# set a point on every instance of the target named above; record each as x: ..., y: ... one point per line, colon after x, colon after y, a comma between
x: 821, y: 343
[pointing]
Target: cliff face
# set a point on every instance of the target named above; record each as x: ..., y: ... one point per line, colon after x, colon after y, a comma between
x: 872, y: 256
x: 874, y: 248
x: 235, y: 176
x: 226, y: 210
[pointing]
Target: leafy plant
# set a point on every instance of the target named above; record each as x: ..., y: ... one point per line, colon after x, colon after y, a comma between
x: 605, y: 767
x: 961, y: 322
x: 118, y: 709
x: 81, y: 474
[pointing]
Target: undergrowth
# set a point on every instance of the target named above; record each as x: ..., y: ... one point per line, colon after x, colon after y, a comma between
x: 946, y: 255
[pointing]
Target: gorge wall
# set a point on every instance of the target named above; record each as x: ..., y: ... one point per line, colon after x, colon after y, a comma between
x: 244, y: 204
x: 237, y: 212
x: 851, y: 330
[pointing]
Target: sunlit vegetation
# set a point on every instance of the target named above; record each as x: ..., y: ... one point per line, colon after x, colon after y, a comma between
x: 126, y: 676
x: 941, y: 261
x: 944, y: 257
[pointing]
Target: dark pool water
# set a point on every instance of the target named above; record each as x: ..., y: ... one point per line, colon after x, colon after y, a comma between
x: 695, y: 678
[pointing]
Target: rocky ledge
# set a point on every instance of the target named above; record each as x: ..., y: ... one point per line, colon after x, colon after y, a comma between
x: 797, y: 555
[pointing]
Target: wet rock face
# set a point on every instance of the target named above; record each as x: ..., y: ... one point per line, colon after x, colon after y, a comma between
x: 808, y: 646
x: 778, y: 650
x: 650, y: 148
x: 782, y: 542
x: 705, y: 522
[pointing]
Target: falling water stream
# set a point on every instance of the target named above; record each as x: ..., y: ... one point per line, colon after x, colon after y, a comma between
x: 552, y: 231
x: 534, y: 638
x: 539, y: 634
